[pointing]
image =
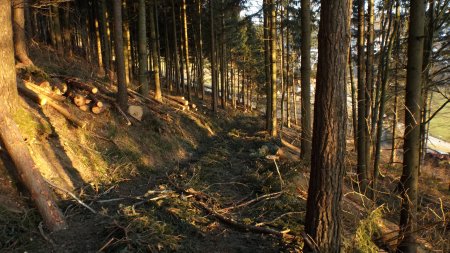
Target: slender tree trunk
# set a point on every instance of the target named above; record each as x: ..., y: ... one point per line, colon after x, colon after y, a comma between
x: 213, y: 60
x: 158, y: 95
x: 267, y: 66
x: 186, y: 50
x: 67, y: 30
x: 362, y: 124
x: 122, y: 94
x: 142, y: 45
x: 369, y: 81
x: 57, y: 27
x: 126, y: 41
x: 222, y: 58
x: 175, y: 48
x: 323, y: 213
x: 200, y: 50
x: 273, y: 64
x: 411, y: 148
x: 305, y: 80
x: 288, y: 58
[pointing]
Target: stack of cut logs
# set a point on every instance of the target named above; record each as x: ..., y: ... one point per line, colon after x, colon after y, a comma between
x: 84, y: 96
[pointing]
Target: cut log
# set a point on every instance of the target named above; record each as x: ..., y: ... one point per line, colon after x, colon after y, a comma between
x: 29, y: 173
x: 63, y: 111
x: 136, y: 112
x: 97, y: 110
x: 178, y: 99
x: 38, y: 89
x: 61, y: 86
x: 79, y: 100
x: 39, y: 99
x: 95, y: 101
x: 82, y: 85
x: 84, y: 108
x: 45, y: 85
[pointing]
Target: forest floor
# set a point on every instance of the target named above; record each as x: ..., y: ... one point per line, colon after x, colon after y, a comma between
x: 190, y: 182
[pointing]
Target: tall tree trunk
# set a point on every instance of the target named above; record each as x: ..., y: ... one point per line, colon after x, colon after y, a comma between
x: 158, y: 95
x: 411, y: 148
x: 305, y: 81
x: 353, y: 93
x: 369, y: 80
x: 67, y: 30
x: 362, y: 124
x: 283, y: 86
x: 213, y: 60
x: 142, y: 46
x: 288, y: 71
x: 222, y: 58
x: 175, y: 48
x: 186, y: 50
x: 267, y: 66
x: 273, y: 64
x: 323, y: 213
x: 122, y: 95
x: 57, y: 28
x: 20, y: 40
x: 126, y: 41
x: 104, y: 33
x: 200, y: 50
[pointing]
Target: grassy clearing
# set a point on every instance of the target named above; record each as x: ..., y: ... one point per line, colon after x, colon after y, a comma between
x: 439, y: 126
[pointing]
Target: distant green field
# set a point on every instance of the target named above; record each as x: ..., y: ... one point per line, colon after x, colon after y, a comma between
x: 440, y: 125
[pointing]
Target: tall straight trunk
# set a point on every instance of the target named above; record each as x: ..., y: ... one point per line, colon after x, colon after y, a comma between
x: 20, y: 40
x: 104, y: 33
x: 126, y: 41
x: 288, y: 58
x: 384, y: 81
x: 175, y: 47
x: 67, y: 30
x: 283, y: 87
x: 323, y: 213
x: 168, y: 53
x: 267, y: 66
x: 294, y: 101
x: 233, y: 97
x: 222, y: 58
x: 411, y: 146
x: 213, y: 59
x: 57, y: 29
x: 122, y: 95
x: 273, y: 64
x: 362, y: 126
x: 186, y: 50
x: 142, y: 46
x: 200, y: 50
x: 305, y: 80
x: 98, y: 42
x: 393, y: 156
x: 353, y: 93
x: 369, y: 80
x: 158, y: 95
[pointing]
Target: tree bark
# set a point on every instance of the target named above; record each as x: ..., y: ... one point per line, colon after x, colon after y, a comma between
x: 186, y: 50
x: 142, y: 45
x: 20, y: 40
x: 122, y: 96
x: 213, y: 60
x: 411, y: 146
x: 323, y: 213
x: 273, y: 66
x: 305, y: 80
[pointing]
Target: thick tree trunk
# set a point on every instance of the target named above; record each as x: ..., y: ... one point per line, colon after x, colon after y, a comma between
x: 122, y: 96
x: 323, y: 214
x: 305, y: 80
x: 411, y: 148
x: 20, y: 40
x: 57, y: 29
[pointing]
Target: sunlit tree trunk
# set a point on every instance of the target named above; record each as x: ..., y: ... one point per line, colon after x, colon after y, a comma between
x: 305, y: 80
x: 273, y: 64
x: 186, y: 50
x: 158, y: 95
x: 142, y: 46
x: 20, y: 40
x: 323, y: 212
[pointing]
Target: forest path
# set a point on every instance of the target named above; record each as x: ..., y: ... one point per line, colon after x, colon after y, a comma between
x: 150, y: 214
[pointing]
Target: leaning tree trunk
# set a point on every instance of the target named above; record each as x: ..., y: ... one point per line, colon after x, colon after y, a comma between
x: 122, y: 95
x: 305, y: 77
x: 20, y: 42
x: 323, y: 214
x: 411, y: 146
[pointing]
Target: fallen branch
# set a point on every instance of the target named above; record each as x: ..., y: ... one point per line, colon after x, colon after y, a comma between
x: 43, y: 91
x: 265, y: 196
x: 123, y: 114
x: 71, y: 194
